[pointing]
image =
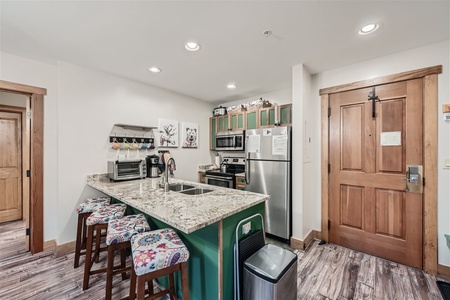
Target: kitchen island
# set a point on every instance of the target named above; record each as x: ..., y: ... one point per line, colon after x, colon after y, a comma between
x: 205, y: 222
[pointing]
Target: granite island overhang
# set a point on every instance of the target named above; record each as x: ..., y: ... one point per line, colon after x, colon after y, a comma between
x: 205, y: 222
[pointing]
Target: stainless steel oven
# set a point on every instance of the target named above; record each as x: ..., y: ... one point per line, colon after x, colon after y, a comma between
x: 226, y: 175
x: 223, y: 181
x: 230, y: 140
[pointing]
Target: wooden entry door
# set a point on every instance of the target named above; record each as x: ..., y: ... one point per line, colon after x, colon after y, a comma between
x: 370, y: 209
x: 10, y: 166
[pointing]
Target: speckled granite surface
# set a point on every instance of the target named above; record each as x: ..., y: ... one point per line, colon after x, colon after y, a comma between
x: 187, y: 213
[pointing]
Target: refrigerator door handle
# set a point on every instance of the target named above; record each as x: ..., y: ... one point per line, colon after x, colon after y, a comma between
x: 247, y: 171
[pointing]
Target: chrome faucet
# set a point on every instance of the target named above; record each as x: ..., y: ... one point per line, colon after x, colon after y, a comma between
x: 166, y: 173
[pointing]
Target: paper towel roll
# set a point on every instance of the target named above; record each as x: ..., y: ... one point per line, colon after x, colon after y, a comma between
x: 217, y: 160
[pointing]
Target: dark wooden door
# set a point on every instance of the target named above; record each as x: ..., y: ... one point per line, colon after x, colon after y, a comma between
x: 10, y: 166
x: 370, y: 209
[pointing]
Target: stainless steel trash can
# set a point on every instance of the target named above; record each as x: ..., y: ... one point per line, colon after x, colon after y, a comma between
x: 271, y: 274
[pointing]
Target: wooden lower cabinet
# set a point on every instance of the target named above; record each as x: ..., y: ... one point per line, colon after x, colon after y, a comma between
x: 240, y: 182
x: 201, y: 177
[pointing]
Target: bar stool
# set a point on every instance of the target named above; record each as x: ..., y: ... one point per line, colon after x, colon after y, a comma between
x: 118, y: 237
x: 155, y: 254
x: 84, y: 210
x: 97, y: 222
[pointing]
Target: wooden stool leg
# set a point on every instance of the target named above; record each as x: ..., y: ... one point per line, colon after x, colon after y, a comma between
x: 171, y: 288
x: 141, y: 288
x: 123, y: 262
x: 132, y: 284
x: 109, y: 272
x: 78, y: 246
x: 98, y: 236
x: 87, y: 263
x: 185, y: 281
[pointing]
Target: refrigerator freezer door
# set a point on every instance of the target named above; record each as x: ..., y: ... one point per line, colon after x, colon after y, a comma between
x: 268, y: 143
x: 272, y: 178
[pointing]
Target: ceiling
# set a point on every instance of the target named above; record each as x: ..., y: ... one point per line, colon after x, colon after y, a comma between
x: 125, y: 38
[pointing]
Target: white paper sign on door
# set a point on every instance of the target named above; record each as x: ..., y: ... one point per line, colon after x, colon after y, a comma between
x: 253, y: 144
x: 279, y: 144
x: 391, y: 138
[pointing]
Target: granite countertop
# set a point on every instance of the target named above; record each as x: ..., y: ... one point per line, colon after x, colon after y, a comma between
x: 187, y: 213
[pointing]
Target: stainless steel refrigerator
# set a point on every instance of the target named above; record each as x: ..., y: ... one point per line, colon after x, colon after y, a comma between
x: 268, y: 171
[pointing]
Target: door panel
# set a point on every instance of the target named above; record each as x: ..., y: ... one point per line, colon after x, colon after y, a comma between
x: 352, y: 140
x: 370, y: 209
x: 10, y: 167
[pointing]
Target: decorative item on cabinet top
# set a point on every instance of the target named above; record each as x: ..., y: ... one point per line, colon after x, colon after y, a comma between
x: 132, y: 137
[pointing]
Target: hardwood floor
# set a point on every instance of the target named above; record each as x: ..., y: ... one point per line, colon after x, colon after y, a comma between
x: 12, y: 238
x: 332, y: 272
x: 324, y: 272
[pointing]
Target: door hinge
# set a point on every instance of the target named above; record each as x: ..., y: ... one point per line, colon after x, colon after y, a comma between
x: 29, y: 115
x: 28, y: 231
x: 423, y: 180
x: 329, y: 168
x: 329, y: 111
x: 28, y: 173
x: 329, y: 224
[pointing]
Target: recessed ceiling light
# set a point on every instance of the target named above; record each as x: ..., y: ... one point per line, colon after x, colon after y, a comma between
x: 369, y: 28
x: 191, y: 46
x: 231, y: 86
x: 154, y: 69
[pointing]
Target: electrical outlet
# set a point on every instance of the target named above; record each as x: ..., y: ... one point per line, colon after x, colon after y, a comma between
x: 246, y: 228
x: 446, y: 108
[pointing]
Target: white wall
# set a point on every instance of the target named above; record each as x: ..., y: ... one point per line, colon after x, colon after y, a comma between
x: 80, y: 109
x: 435, y: 54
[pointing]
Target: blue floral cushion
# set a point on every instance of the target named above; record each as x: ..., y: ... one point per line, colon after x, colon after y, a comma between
x: 90, y: 204
x: 121, y: 230
x: 157, y: 250
x: 104, y: 214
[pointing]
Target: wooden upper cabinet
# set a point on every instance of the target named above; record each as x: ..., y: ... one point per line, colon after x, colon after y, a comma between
x: 252, y: 119
x: 285, y: 114
x: 223, y: 123
x: 237, y: 121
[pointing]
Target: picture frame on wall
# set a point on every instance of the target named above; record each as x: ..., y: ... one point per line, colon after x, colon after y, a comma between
x: 168, y: 133
x: 189, y: 135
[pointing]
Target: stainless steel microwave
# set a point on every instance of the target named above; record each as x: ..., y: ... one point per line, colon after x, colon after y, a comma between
x: 127, y: 169
x: 230, y: 140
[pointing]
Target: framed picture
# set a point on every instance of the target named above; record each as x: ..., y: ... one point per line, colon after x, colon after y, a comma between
x: 168, y: 133
x: 189, y: 135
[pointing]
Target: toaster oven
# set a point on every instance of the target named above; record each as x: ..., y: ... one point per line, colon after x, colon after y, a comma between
x: 127, y: 169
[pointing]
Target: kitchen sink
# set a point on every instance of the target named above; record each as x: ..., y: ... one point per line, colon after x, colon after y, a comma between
x: 180, y: 187
x: 196, y: 191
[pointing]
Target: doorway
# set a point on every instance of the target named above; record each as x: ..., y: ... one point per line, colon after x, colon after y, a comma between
x: 34, y: 170
x: 14, y: 162
x: 365, y: 205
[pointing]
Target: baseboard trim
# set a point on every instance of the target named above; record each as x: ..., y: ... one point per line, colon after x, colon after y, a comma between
x: 443, y: 271
x: 64, y: 249
x: 303, y: 244
x: 50, y: 245
x: 59, y: 250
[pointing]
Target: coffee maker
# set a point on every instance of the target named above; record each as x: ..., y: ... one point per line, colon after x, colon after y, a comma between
x: 153, y: 166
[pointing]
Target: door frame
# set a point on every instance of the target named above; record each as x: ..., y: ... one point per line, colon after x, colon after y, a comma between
x: 430, y: 151
x: 36, y: 188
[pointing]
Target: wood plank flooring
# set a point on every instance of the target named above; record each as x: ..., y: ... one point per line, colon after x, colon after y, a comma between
x: 12, y: 238
x: 324, y: 272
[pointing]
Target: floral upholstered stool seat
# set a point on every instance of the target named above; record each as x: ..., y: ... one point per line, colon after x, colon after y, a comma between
x: 84, y: 210
x: 96, y: 222
x: 118, y: 237
x: 155, y: 254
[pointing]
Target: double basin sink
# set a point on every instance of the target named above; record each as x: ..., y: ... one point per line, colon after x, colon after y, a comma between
x: 187, y: 189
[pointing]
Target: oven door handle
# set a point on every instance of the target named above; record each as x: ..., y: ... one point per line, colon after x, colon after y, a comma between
x: 219, y: 177
x: 247, y: 171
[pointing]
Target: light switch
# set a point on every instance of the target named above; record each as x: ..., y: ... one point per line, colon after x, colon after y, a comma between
x: 447, y: 162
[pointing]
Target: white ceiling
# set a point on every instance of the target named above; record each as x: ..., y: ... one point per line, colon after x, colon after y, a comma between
x: 127, y: 37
